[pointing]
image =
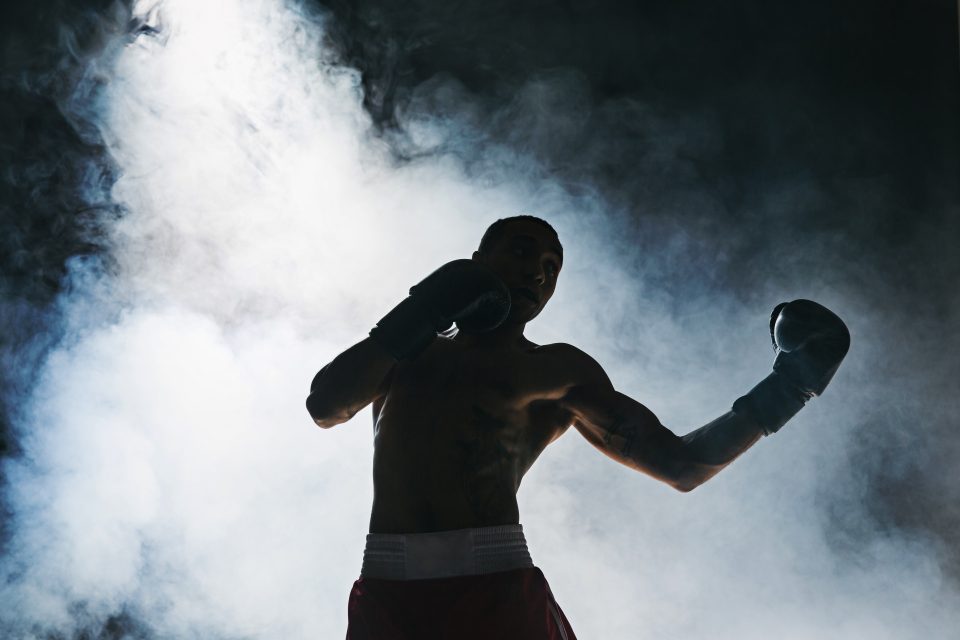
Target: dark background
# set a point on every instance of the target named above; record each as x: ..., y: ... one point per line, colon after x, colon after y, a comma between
x: 762, y: 125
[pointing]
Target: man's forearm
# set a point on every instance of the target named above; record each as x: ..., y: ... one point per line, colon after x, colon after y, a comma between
x: 348, y: 383
x: 715, y: 445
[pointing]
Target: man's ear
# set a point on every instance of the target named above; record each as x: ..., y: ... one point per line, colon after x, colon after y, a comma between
x: 476, y: 255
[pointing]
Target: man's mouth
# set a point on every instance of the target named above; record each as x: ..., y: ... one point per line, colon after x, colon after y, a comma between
x: 527, y: 293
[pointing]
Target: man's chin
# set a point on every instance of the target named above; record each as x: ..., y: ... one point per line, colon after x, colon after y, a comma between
x: 524, y: 314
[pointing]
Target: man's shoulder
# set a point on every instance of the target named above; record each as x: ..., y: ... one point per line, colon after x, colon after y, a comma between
x: 577, y: 364
x: 563, y: 350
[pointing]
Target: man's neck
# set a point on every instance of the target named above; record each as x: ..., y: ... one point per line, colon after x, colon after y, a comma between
x: 506, y: 335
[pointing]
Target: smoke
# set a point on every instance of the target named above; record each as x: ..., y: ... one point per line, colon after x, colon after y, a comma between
x: 172, y: 485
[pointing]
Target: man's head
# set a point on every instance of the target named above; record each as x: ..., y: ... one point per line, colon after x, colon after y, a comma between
x: 525, y: 252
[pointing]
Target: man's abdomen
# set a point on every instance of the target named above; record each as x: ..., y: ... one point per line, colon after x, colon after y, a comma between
x: 441, y: 485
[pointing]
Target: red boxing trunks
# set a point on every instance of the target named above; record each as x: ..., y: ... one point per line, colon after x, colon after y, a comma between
x: 466, y: 584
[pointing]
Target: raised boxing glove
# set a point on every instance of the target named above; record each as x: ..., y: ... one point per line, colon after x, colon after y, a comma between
x: 811, y: 342
x: 462, y: 291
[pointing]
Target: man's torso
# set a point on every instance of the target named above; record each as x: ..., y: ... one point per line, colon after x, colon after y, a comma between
x: 458, y: 428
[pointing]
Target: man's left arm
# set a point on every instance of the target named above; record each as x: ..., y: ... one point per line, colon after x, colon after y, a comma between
x: 811, y: 342
x: 631, y: 434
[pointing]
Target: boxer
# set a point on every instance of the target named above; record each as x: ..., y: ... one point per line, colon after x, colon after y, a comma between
x: 461, y: 415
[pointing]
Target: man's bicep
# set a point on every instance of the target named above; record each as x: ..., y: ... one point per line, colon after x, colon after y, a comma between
x: 616, y: 424
x: 591, y: 399
x: 611, y: 419
x: 624, y: 430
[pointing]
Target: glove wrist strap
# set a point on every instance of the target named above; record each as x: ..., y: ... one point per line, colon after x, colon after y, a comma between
x: 772, y: 402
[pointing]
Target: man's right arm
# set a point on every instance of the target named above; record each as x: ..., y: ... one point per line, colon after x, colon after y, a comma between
x: 351, y: 381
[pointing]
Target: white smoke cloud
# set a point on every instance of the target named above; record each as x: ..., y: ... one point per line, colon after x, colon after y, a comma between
x: 171, y: 470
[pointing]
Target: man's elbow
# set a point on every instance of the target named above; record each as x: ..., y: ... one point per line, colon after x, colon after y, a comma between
x: 324, y: 416
x: 684, y: 486
x: 686, y: 480
x: 326, y: 423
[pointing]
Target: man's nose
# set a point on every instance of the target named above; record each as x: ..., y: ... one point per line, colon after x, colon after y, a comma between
x: 538, y: 275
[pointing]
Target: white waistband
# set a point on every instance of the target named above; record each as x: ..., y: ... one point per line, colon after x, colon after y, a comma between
x: 442, y: 554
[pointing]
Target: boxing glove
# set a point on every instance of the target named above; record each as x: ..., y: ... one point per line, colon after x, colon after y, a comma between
x: 462, y: 291
x: 811, y: 342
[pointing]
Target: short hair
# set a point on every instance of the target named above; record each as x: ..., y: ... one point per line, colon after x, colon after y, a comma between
x: 496, y: 231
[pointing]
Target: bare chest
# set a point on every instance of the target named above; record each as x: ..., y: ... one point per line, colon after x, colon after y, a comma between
x: 473, y: 406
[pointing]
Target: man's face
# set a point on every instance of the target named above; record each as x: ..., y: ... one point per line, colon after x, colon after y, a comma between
x: 528, y: 258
